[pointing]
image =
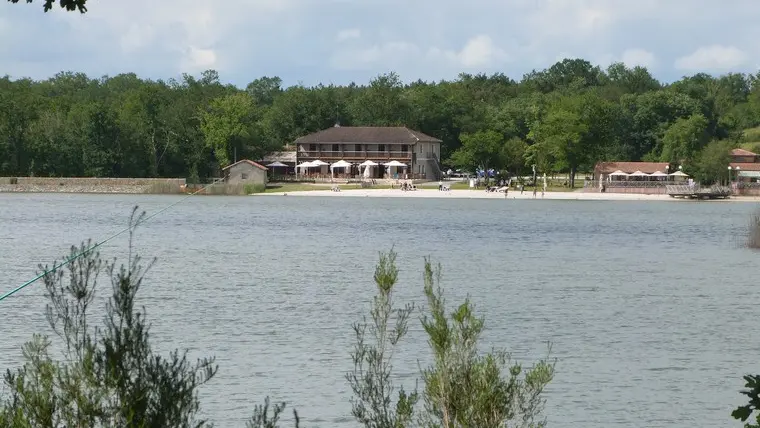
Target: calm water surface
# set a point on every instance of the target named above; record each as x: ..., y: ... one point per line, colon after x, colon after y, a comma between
x: 649, y: 305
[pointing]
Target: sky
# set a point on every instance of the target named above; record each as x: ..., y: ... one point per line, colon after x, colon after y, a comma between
x: 339, y: 41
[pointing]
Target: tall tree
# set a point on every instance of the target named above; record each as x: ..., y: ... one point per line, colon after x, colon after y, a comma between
x: 230, y: 126
x: 684, y: 138
x: 479, y: 150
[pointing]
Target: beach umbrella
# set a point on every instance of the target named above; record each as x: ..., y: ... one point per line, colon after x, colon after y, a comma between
x: 303, y: 165
x: 395, y: 163
x: 340, y: 164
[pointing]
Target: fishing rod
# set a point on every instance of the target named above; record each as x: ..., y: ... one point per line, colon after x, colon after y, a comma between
x: 99, y: 243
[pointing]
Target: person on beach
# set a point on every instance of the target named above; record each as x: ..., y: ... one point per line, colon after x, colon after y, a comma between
x: 535, y: 190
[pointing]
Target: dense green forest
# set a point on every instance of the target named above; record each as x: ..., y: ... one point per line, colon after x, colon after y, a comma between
x: 564, y: 118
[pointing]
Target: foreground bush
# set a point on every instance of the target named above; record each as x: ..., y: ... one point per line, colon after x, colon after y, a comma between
x: 108, y: 376
x: 745, y: 412
x: 463, y: 387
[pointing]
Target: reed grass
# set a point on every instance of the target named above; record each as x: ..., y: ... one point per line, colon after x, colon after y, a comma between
x: 753, y: 235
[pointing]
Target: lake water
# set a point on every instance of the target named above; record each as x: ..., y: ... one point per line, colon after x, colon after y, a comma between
x: 649, y: 305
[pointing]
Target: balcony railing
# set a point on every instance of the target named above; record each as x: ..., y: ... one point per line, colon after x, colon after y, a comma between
x: 354, y: 155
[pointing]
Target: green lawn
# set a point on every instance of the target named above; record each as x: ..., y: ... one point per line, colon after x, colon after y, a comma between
x: 294, y: 187
x: 305, y: 187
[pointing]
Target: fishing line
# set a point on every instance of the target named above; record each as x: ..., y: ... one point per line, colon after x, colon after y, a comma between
x: 98, y: 244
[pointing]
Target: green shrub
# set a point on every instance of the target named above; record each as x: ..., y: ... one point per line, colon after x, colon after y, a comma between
x: 462, y: 387
x: 108, y: 375
x: 254, y: 188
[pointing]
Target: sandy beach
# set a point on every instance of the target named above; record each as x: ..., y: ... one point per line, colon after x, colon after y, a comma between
x: 482, y: 194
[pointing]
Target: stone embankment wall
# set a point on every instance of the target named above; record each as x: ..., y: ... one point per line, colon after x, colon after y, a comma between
x: 91, y: 185
x: 747, y: 191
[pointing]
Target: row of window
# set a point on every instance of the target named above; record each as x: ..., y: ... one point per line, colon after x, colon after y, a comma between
x: 357, y: 147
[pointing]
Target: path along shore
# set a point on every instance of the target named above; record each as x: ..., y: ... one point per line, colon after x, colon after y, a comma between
x: 482, y: 194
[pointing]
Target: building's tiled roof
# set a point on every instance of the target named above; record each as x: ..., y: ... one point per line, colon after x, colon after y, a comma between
x: 367, y: 134
x: 288, y: 156
x: 630, y: 167
x: 250, y: 162
x: 742, y: 152
x: 745, y: 166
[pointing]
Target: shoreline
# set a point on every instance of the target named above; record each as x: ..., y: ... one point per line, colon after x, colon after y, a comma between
x: 377, y: 193
x: 481, y: 194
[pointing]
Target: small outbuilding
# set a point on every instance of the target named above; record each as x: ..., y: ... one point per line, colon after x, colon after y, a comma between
x: 245, y: 172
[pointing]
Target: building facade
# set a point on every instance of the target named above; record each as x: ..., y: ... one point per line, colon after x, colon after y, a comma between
x: 357, y: 144
x: 744, y: 166
x: 245, y: 172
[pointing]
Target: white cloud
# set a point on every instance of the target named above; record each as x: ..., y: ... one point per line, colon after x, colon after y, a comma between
x: 578, y: 19
x: 197, y: 59
x: 638, y: 57
x: 383, y: 54
x: 479, y: 51
x: 713, y: 57
x: 136, y: 37
x: 244, y: 39
x: 181, y: 33
x: 353, y: 33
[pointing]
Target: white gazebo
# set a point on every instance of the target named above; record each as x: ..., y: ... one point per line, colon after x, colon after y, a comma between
x: 395, y: 165
x: 340, y: 164
x: 639, y: 174
x: 367, y: 164
x: 679, y: 175
x: 303, y: 165
x: 617, y: 173
x: 322, y: 165
x: 276, y: 165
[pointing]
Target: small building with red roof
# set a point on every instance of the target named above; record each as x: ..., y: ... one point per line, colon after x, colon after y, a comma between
x: 245, y: 172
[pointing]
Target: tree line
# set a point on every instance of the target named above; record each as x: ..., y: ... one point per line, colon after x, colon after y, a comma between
x: 561, y: 119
